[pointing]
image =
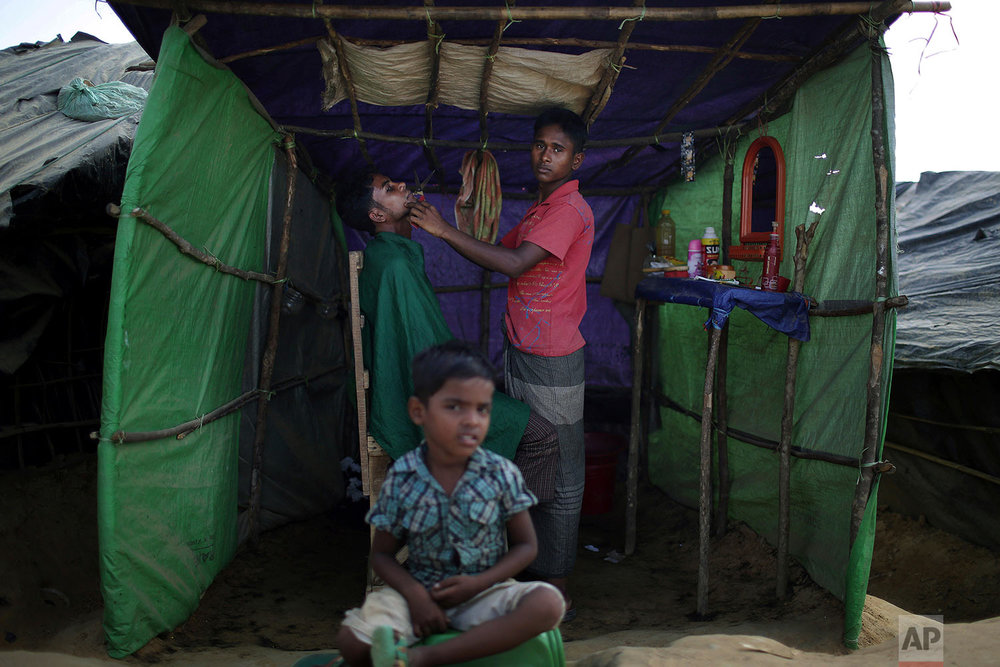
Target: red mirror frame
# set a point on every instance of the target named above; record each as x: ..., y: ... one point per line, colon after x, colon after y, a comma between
x: 753, y: 244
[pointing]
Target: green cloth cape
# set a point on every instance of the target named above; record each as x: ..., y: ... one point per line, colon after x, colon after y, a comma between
x: 403, y: 317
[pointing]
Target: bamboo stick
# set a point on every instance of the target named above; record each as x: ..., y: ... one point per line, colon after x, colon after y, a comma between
x: 722, y: 511
x: 352, y: 94
x: 602, y: 93
x: 705, y: 475
x: 722, y: 421
x: 873, y: 411
x: 667, y: 137
x: 187, y: 249
x: 632, y: 476
x: 722, y: 58
x: 183, y: 430
x: 271, y: 347
x: 763, y: 443
x: 616, y: 14
x: 944, y: 462
x: 434, y: 35
x: 269, y: 49
x: 589, y: 44
x: 787, y: 418
x: 863, y: 307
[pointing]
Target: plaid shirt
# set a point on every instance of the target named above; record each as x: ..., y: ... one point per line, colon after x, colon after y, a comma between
x: 464, y: 533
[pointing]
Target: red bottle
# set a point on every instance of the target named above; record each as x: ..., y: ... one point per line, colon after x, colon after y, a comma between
x: 772, y: 262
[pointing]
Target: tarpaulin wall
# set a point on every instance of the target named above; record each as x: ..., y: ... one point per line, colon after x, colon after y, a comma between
x: 177, y: 335
x: 827, y: 143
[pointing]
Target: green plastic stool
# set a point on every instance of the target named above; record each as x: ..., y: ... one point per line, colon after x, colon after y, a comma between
x: 544, y: 650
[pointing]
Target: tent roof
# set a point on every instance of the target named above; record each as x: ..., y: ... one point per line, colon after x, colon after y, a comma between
x: 40, y: 145
x: 949, y: 267
x: 677, y: 75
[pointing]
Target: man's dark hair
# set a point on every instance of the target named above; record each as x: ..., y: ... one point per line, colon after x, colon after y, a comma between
x: 354, y: 201
x: 571, y: 124
x: 453, y: 359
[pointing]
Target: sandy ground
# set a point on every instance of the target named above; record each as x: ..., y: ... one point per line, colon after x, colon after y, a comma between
x: 286, y: 598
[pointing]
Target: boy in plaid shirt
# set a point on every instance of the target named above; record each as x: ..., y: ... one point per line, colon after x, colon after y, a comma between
x: 454, y: 504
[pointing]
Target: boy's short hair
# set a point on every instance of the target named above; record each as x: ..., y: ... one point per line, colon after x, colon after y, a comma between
x: 453, y: 359
x: 354, y: 201
x: 570, y: 122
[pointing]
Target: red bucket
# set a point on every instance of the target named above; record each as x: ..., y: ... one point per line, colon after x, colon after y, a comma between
x: 602, y: 450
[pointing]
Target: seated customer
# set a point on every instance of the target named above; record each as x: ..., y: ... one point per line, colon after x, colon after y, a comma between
x: 403, y: 317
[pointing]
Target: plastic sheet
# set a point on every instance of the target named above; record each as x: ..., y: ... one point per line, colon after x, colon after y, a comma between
x: 84, y: 100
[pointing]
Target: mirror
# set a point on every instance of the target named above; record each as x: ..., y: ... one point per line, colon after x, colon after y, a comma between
x: 762, y: 199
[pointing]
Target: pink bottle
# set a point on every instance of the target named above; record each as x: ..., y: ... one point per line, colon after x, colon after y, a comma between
x: 695, y: 256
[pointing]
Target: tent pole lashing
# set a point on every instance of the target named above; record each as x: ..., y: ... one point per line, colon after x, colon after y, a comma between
x: 187, y: 249
x: 271, y: 348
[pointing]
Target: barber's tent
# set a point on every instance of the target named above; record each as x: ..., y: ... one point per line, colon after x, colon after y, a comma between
x: 57, y: 175
x: 408, y: 90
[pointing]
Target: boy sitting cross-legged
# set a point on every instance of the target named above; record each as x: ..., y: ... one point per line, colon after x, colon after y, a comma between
x: 454, y: 504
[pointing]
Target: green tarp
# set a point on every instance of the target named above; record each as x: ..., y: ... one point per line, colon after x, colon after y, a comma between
x: 177, y: 332
x: 827, y: 144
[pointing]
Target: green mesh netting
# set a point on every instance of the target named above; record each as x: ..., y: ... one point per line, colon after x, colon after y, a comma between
x: 175, y: 346
x: 827, y: 145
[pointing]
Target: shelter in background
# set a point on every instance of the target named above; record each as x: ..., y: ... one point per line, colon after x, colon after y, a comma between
x: 943, y: 429
x: 57, y: 175
x: 408, y: 89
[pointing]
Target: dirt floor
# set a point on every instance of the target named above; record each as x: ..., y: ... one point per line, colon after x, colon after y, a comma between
x: 289, y: 595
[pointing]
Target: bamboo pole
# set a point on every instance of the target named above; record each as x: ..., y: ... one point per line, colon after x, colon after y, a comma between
x: 186, y: 428
x: 719, y: 62
x: 705, y: 474
x: 722, y: 444
x: 352, y: 94
x: 632, y: 476
x: 187, y: 249
x: 722, y: 511
x: 271, y: 347
x: 944, y: 462
x: 589, y: 44
x: 873, y: 411
x: 787, y: 418
x: 434, y: 37
x: 602, y: 93
x: 616, y: 14
x: 668, y: 137
x: 862, y: 307
x: 764, y: 443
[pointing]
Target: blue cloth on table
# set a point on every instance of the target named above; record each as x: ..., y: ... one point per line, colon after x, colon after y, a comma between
x: 787, y: 312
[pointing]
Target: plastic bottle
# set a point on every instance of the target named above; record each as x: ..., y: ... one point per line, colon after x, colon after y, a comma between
x: 772, y: 262
x: 710, y: 248
x: 694, y: 258
x: 666, y: 235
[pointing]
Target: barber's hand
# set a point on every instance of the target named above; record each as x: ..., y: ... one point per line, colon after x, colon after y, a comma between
x: 425, y: 216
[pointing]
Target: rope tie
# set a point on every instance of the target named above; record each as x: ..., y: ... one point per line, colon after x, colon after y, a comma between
x: 635, y: 18
x: 510, y: 17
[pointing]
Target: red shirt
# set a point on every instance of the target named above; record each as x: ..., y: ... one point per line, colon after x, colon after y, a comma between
x: 546, y: 303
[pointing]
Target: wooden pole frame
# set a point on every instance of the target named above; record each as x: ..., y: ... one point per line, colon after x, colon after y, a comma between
x: 271, y: 347
x: 616, y: 14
